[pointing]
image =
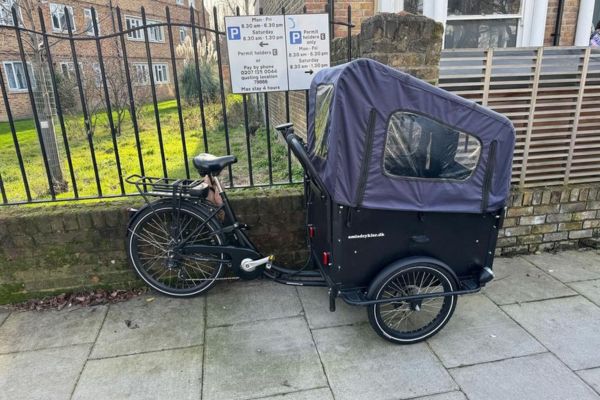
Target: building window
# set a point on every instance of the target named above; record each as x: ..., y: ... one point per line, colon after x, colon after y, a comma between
x: 155, y: 33
x: 88, y: 23
x: 67, y: 69
x: 15, y: 75
x: 487, y: 23
x: 141, y: 75
x: 161, y: 74
x: 419, y: 147
x: 182, y: 34
x: 97, y: 74
x: 180, y: 2
x: 59, y: 19
x: 131, y: 23
x: 192, y: 3
x: 6, y: 12
x: 482, y: 23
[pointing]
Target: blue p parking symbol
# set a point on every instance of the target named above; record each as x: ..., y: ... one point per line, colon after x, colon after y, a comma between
x: 295, y: 37
x: 233, y: 33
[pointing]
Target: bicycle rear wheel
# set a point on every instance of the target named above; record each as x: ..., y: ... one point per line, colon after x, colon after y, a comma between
x: 152, y: 241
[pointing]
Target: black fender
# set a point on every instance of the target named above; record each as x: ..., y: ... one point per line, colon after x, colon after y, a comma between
x: 134, y: 212
x: 412, y: 260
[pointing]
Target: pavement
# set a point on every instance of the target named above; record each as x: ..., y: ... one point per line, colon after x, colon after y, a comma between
x: 534, y: 333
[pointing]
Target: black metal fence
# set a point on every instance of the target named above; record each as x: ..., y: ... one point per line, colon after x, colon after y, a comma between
x: 155, y: 137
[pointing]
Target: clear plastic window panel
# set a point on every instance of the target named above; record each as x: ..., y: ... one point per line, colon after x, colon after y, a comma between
x: 323, y: 107
x: 419, y: 147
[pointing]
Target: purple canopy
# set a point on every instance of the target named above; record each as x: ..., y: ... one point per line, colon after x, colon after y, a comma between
x: 382, y: 139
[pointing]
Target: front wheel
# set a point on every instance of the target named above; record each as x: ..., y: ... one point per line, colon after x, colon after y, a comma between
x: 407, y: 322
x: 153, y: 250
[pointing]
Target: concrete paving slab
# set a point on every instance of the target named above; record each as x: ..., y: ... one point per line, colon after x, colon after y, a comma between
x: 48, y: 374
x: 568, y: 327
x: 315, y: 394
x: 315, y: 301
x: 445, y: 396
x: 480, y: 332
x: 3, y: 316
x: 260, y: 359
x: 361, y: 365
x: 537, y: 377
x: 592, y: 378
x: 41, y: 330
x: 140, y: 325
x: 588, y: 289
x: 569, y: 266
x: 239, y: 302
x: 169, y: 374
x: 518, y: 281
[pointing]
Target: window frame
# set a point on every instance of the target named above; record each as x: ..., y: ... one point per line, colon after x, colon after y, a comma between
x: 165, y: 68
x: 146, y: 75
x: 6, y: 14
x: 96, y: 70
x: 418, y: 178
x: 531, y: 19
x: 138, y: 34
x: 90, y: 32
x: 152, y: 29
x: 70, y: 65
x: 61, y: 9
x: 31, y: 76
x: 182, y: 30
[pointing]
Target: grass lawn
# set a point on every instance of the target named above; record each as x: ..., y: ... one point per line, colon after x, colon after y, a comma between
x: 106, y: 160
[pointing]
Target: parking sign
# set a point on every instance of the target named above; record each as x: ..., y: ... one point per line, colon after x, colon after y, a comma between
x: 276, y: 52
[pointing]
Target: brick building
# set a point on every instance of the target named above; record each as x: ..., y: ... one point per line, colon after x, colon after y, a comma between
x: 55, y: 22
x: 475, y: 23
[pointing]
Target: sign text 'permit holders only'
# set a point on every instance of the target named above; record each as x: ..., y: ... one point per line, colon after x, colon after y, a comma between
x: 271, y: 53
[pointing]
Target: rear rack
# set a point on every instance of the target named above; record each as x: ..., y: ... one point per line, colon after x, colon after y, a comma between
x: 168, y: 187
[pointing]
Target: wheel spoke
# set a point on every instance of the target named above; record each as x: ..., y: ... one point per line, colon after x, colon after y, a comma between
x: 414, y: 318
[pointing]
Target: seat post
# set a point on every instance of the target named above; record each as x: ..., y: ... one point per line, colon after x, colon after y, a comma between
x: 217, y: 183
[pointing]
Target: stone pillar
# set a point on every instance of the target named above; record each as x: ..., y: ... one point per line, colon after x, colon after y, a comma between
x: 410, y: 43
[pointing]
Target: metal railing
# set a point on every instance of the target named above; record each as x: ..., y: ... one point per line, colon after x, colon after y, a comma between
x: 552, y: 96
x: 104, y: 176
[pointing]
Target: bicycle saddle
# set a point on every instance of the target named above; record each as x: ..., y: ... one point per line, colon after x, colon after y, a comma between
x: 207, y: 163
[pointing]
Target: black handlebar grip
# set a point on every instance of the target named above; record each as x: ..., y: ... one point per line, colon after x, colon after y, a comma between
x: 285, y: 129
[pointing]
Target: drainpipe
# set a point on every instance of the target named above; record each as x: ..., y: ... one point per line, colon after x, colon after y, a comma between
x: 558, y: 23
x: 584, y: 23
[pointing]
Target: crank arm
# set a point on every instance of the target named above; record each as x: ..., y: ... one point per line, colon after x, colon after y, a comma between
x: 236, y: 254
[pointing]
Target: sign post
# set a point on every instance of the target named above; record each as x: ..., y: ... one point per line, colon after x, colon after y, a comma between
x: 270, y: 53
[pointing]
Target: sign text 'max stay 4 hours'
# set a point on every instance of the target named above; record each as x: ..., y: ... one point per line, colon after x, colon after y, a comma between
x: 269, y: 53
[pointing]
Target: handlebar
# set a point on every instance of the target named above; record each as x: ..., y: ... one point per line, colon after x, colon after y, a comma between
x: 297, y: 147
x: 285, y: 129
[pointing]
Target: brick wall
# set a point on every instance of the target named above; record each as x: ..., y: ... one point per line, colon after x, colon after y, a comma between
x: 60, y: 247
x: 550, y: 219
x: 569, y: 22
x: 86, y: 50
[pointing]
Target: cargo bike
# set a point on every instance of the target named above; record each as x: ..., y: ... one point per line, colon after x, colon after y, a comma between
x: 405, y: 187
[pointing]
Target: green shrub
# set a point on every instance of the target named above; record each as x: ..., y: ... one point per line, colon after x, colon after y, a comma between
x: 235, y: 112
x: 67, y: 92
x: 209, y: 79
